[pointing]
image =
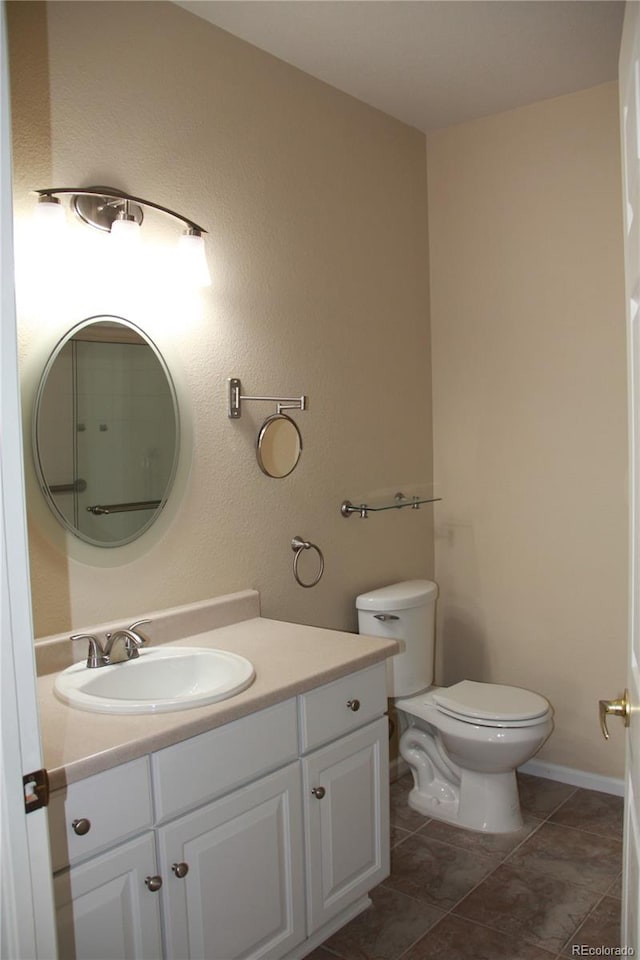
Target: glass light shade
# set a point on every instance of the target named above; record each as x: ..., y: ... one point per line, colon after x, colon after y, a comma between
x: 49, y: 216
x: 193, y: 261
x: 125, y: 236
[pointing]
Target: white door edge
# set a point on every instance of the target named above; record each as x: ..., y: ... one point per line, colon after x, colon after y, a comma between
x: 629, y: 93
x: 27, y: 925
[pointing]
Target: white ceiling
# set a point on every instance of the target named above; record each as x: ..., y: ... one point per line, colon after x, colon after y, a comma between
x: 432, y: 63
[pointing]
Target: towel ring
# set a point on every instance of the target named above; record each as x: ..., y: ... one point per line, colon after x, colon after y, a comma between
x: 298, y: 545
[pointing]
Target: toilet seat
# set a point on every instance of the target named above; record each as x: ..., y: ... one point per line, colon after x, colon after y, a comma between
x: 491, y: 704
x: 481, y: 704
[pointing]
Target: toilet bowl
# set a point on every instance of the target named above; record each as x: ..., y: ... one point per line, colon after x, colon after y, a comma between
x: 462, y: 743
x: 475, y: 786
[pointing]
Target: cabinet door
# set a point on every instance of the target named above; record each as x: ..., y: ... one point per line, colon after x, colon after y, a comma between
x: 346, y: 787
x: 241, y: 889
x: 104, y: 909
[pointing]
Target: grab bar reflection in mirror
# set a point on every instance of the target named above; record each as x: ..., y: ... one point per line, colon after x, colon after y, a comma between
x: 100, y: 510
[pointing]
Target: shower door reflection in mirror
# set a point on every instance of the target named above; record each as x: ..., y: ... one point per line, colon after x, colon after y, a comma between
x: 106, y: 431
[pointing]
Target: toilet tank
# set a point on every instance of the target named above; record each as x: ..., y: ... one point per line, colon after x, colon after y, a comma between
x: 406, y: 612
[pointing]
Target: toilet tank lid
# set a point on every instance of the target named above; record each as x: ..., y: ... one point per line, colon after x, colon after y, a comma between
x: 398, y: 596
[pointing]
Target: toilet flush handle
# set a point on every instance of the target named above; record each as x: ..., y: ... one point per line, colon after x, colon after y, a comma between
x: 385, y: 616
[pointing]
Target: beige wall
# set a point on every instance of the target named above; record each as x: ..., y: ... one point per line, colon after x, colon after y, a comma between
x: 316, y: 207
x: 529, y: 384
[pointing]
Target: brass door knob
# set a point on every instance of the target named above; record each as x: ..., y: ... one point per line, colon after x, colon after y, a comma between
x: 614, y: 708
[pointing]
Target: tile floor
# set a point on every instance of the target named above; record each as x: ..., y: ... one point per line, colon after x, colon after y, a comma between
x: 457, y: 895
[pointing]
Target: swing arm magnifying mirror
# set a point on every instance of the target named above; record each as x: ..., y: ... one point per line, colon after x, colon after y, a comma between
x: 278, y: 446
x: 279, y: 443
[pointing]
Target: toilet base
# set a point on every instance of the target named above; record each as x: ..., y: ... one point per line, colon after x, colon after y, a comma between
x: 487, y: 803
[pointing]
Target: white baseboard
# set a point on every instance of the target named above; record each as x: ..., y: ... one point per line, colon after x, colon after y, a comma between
x: 577, y: 778
x: 549, y: 771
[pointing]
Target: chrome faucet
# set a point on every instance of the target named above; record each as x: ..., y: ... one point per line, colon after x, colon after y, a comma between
x: 101, y: 655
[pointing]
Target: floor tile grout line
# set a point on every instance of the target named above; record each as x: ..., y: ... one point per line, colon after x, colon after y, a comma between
x: 552, y: 875
x: 507, y: 856
x: 581, y: 925
x: 523, y: 841
x: 521, y: 936
x: 445, y: 913
x: 332, y: 952
x: 566, y: 799
x: 486, y: 926
x: 425, y: 934
x: 474, y: 887
x: 591, y: 833
x: 454, y: 846
x: 418, y: 900
x: 556, y: 808
x: 409, y: 833
x: 489, y: 853
x: 504, y: 861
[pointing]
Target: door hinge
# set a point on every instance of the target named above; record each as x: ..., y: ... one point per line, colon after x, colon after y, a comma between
x: 36, y: 790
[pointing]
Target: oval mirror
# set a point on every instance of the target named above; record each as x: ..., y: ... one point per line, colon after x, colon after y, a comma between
x: 279, y: 446
x: 106, y: 431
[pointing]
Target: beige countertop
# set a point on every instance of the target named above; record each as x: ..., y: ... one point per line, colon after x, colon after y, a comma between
x: 288, y: 659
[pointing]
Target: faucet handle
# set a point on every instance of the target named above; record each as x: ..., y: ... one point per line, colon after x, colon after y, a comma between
x: 134, y: 629
x: 97, y: 656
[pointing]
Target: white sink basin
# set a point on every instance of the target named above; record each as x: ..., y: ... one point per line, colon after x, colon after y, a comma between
x: 161, y: 679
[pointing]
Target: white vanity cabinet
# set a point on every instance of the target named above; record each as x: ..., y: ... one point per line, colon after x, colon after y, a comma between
x: 105, y: 908
x: 234, y: 873
x: 346, y: 791
x: 347, y: 819
x: 233, y: 868
x: 268, y: 833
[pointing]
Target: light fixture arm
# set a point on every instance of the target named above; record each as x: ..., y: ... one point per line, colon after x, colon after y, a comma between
x: 107, y: 193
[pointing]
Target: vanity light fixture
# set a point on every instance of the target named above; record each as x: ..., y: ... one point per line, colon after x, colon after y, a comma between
x: 49, y: 215
x: 121, y: 214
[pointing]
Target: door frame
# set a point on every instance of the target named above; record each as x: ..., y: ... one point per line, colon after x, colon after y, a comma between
x: 27, y: 924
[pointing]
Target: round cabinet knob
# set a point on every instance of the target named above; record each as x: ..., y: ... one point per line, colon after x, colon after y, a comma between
x: 81, y: 826
x: 153, y: 883
x: 318, y: 792
x: 353, y: 705
x: 180, y: 869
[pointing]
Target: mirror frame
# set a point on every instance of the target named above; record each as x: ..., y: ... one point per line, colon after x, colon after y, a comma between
x: 261, y: 434
x: 42, y: 483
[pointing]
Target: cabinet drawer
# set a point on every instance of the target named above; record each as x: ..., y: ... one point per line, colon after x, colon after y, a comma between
x: 204, y: 767
x: 116, y: 804
x: 341, y: 706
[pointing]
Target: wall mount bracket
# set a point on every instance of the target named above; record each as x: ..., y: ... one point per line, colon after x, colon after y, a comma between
x: 235, y: 398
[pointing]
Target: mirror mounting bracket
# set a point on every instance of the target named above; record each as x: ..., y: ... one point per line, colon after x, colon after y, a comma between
x: 235, y: 398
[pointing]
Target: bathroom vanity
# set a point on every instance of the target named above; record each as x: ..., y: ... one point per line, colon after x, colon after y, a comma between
x: 254, y: 827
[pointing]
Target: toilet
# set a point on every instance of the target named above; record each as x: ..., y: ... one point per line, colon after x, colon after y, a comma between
x: 462, y: 743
